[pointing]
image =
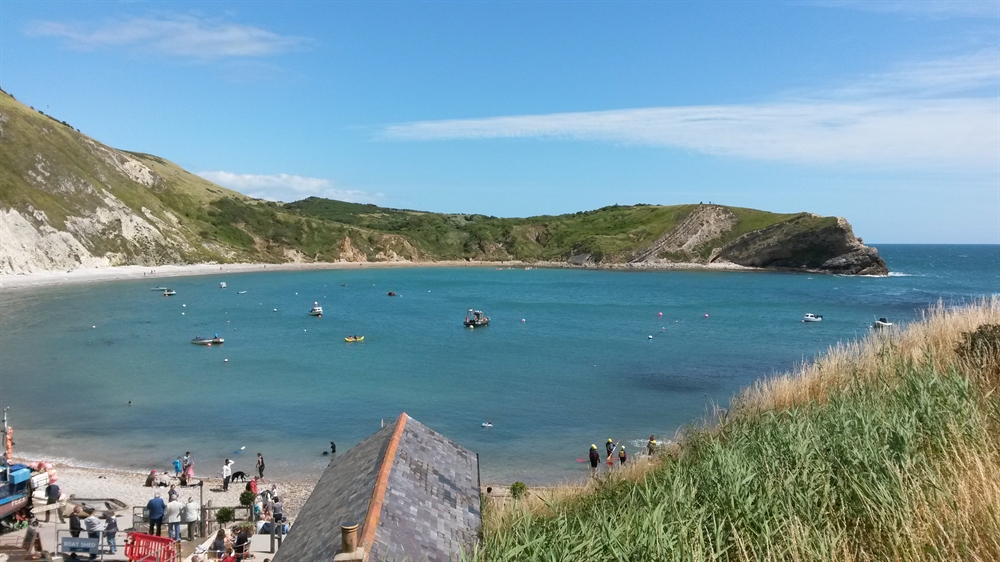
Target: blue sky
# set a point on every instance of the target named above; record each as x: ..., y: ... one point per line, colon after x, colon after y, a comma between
x: 886, y: 113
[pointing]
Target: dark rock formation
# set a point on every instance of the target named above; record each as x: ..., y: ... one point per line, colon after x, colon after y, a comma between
x: 810, y: 243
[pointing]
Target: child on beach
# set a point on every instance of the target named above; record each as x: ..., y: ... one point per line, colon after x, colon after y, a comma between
x: 177, y: 467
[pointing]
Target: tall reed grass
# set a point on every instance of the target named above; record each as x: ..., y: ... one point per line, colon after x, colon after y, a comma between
x: 884, y: 449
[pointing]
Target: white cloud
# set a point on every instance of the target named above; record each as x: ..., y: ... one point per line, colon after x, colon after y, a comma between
x: 184, y: 36
x: 915, y: 116
x: 927, y: 8
x: 287, y: 187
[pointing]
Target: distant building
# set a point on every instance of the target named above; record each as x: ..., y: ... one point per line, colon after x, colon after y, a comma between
x: 416, y: 491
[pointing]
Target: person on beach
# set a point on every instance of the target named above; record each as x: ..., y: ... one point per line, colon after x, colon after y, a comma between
x: 191, y: 516
x: 622, y: 457
x: 189, y: 469
x: 186, y: 460
x: 651, y: 446
x: 227, y: 474
x: 156, y: 507
x: 595, y: 459
x: 276, y: 511
x: 173, y: 494
x: 110, y: 530
x: 610, y: 446
x: 151, y: 479
x: 94, y: 527
x: 260, y: 465
x: 74, y: 522
x: 177, y: 467
x: 52, y: 496
x: 172, y: 515
x: 252, y: 485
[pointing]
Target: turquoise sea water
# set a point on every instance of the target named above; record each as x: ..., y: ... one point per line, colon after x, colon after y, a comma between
x: 579, y: 369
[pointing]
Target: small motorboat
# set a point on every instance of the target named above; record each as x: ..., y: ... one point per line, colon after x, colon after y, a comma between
x: 810, y: 317
x: 881, y: 324
x: 222, y: 285
x: 316, y: 310
x: 241, y: 292
x: 354, y: 338
x: 391, y: 293
x: 159, y: 288
x: 199, y: 340
x: 476, y: 319
x: 169, y: 292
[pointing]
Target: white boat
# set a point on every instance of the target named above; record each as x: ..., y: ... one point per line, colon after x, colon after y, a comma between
x: 241, y: 292
x: 316, y: 310
x: 222, y: 285
x: 881, y: 324
x: 810, y: 317
x: 159, y: 288
x: 169, y: 292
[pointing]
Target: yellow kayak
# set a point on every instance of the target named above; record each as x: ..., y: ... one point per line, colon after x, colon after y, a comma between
x: 354, y: 338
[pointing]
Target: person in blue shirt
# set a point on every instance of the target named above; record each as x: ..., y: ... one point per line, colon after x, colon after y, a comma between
x: 177, y: 467
x: 156, y: 507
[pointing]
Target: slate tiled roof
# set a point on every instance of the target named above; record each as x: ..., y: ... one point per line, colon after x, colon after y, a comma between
x: 431, y: 506
x: 424, y: 506
x: 341, y: 495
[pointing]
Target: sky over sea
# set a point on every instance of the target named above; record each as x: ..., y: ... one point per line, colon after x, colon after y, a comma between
x: 886, y: 113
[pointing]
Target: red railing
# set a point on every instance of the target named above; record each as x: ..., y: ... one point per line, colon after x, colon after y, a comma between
x: 141, y: 547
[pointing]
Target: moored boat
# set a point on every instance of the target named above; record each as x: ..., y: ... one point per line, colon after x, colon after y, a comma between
x: 354, y: 338
x: 169, y: 292
x: 222, y: 285
x: 810, y: 317
x: 199, y: 340
x: 881, y: 324
x: 159, y: 288
x: 476, y: 319
x: 316, y: 310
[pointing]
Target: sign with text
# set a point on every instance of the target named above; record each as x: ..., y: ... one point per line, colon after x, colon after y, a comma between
x: 79, y: 544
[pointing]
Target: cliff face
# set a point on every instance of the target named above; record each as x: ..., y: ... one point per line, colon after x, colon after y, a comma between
x: 805, y: 243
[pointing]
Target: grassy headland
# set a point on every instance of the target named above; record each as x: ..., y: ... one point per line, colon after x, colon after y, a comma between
x: 883, y: 449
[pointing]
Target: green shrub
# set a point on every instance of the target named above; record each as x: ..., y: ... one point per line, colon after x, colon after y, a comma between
x: 225, y: 515
x: 247, y: 498
x: 518, y: 489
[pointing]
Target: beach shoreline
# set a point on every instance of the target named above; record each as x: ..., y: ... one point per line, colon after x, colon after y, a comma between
x: 152, y: 273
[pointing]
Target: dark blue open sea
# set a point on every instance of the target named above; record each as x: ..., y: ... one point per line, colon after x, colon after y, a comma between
x: 578, y: 369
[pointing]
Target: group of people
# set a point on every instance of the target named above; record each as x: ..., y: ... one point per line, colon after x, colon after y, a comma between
x: 227, y: 471
x: 174, y: 513
x: 611, y: 447
x: 95, y: 526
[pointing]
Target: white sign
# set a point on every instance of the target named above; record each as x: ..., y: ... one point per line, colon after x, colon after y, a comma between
x: 79, y: 544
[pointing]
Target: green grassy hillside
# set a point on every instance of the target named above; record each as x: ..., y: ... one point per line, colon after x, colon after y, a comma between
x: 133, y: 208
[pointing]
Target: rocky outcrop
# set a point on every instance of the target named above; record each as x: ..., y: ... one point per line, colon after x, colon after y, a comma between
x: 704, y: 225
x: 807, y: 242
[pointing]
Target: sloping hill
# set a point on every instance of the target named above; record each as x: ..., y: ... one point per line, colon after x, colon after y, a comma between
x: 68, y: 201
